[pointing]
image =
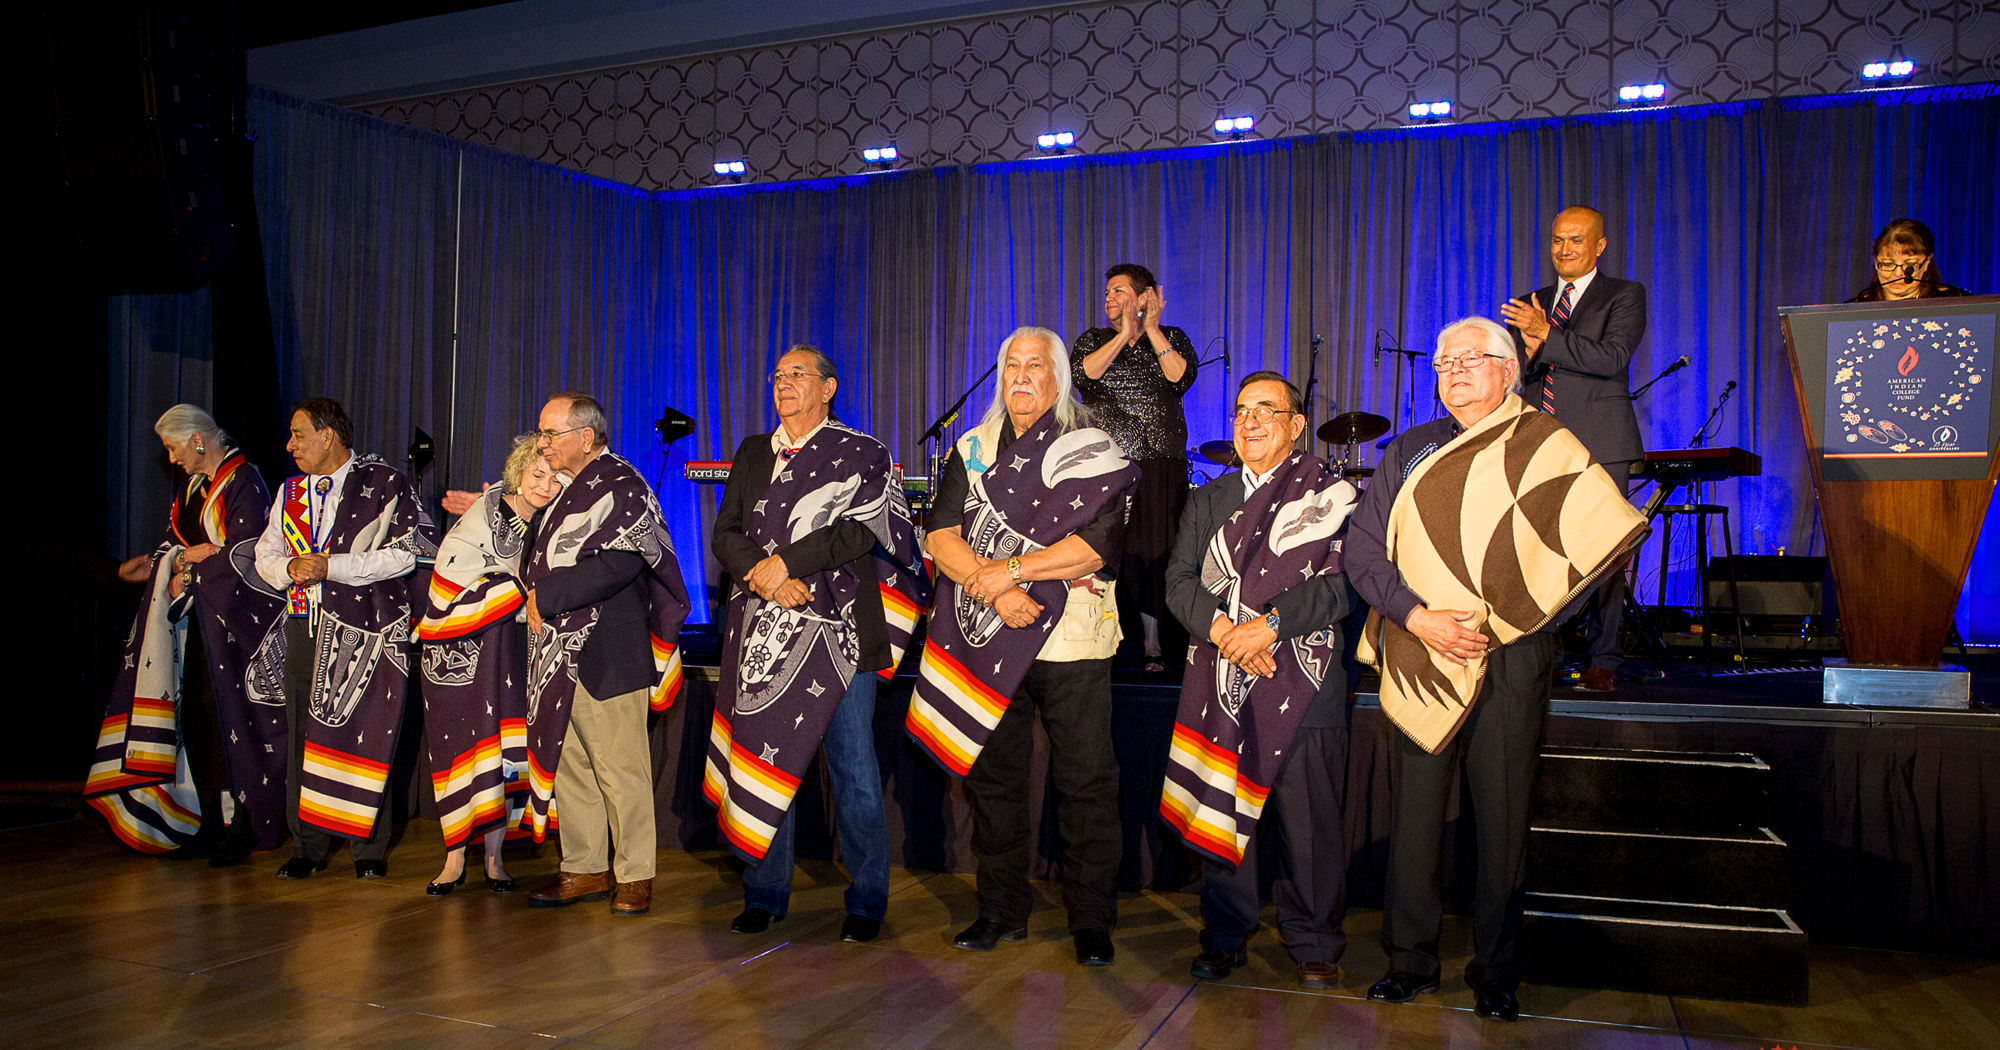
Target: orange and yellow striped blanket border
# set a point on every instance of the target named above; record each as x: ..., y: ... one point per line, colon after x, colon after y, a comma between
x: 1202, y: 825
x: 963, y: 688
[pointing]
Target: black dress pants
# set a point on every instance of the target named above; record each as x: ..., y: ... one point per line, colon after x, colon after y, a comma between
x: 1305, y: 815
x: 1075, y: 701
x: 311, y: 843
x: 1499, y: 744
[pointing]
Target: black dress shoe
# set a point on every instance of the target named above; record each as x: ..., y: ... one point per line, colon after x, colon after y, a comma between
x: 860, y: 928
x: 985, y: 933
x: 235, y: 846
x: 1401, y: 986
x: 753, y: 920
x: 1497, y: 1003
x: 499, y: 885
x: 1093, y: 947
x: 372, y: 869
x: 1216, y: 963
x: 300, y: 868
x: 439, y: 889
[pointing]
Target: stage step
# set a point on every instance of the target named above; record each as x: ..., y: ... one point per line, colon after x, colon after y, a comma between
x: 1618, y: 790
x: 1665, y: 948
x: 1730, y: 867
x: 1654, y: 871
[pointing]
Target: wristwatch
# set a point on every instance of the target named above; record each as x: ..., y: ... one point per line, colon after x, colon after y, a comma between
x: 1014, y: 568
x: 1271, y: 620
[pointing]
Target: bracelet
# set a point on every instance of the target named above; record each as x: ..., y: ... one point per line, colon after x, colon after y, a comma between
x: 1014, y: 568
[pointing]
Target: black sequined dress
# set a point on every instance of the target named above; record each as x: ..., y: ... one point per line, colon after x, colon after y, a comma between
x: 1140, y: 407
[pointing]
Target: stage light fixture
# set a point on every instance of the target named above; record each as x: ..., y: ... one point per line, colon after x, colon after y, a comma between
x: 1055, y: 141
x: 1888, y: 70
x: 1430, y: 111
x: 879, y: 154
x: 729, y: 168
x: 1633, y: 93
x: 1234, y: 127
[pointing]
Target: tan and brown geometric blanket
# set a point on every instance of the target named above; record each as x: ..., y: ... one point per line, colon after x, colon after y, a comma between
x: 1512, y: 520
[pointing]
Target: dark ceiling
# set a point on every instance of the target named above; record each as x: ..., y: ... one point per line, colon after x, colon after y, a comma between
x: 266, y: 24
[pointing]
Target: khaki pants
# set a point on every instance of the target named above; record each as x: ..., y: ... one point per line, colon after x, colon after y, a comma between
x: 604, y: 781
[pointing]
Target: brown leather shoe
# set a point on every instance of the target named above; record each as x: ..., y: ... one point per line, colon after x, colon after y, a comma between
x: 1597, y: 680
x: 1319, y: 974
x: 633, y: 898
x: 570, y: 888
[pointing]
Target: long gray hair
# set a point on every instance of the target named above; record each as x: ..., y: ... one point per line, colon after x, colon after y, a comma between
x: 1070, y: 413
x: 181, y: 422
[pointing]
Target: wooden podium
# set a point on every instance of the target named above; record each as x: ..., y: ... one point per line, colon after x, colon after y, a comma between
x: 1903, y: 426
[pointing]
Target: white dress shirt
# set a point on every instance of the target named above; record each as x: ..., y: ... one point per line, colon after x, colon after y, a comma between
x: 1575, y: 297
x: 353, y: 570
x: 1253, y: 482
x: 781, y: 439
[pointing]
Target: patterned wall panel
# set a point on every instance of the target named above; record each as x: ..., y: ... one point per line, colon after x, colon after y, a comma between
x: 1157, y: 73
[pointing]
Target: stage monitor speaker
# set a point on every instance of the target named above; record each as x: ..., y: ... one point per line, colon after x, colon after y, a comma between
x: 1772, y: 585
x: 140, y: 93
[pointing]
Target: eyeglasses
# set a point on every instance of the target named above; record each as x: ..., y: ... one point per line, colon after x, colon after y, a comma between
x: 551, y: 435
x: 1469, y: 360
x: 1261, y: 413
x: 1892, y: 266
x: 796, y: 375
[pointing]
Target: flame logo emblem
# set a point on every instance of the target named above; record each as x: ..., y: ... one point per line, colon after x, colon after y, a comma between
x: 1908, y: 362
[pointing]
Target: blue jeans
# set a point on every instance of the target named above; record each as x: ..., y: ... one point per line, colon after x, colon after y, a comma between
x: 860, y: 821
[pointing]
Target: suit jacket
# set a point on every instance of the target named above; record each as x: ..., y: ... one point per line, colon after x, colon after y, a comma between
x: 617, y: 658
x: 1587, y: 366
x: 1320, y: 602
x: 840, y: 543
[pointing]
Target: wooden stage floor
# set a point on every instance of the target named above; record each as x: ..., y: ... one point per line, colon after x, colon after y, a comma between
x: 107, y: 949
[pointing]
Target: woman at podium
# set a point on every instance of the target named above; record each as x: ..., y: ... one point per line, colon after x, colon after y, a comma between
x: 1905, y: 266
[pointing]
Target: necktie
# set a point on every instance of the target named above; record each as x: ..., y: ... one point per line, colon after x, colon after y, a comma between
x: 1560, y: 318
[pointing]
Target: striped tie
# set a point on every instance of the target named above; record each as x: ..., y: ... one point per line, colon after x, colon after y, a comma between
x: 1560, y: 318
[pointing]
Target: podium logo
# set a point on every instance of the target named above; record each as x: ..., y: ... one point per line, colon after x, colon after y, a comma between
x: 1944, y: 439
x: 1908, y: 362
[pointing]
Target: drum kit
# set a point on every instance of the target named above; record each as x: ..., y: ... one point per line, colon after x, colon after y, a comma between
x: 1346, y: 430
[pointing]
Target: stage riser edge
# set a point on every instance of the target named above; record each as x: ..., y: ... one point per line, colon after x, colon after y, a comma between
x: 1745, y: 873
x: 1641, y: 792
x: 1702, y: 962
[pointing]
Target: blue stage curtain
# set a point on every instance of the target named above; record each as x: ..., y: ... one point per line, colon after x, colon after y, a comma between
x: 378, y: 236
x: 160, y: 354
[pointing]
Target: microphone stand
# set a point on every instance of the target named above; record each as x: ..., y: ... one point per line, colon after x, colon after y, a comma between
x: 1669, y: 370
x: 1701, y: 436
x: 936, y: 431
x: 1312, y: 383
x: 1410, y: 360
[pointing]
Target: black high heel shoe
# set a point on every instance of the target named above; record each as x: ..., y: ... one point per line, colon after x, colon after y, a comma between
x: 439, y: 889
x: 499, y: 885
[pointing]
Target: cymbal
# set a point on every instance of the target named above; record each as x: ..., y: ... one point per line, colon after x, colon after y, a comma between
x: 1221, y: 452
x: 1357, y: 472
x: 1353, y: 428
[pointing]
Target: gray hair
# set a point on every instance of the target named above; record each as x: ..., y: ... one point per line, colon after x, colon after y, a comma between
x: 586, y: 411
x: 181, y: 422
x: 1498, y: 343
x: 1070, y: 413
x: 821, y: 363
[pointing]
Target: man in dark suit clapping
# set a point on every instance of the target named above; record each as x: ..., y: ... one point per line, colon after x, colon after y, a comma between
x: 1575, y: 338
